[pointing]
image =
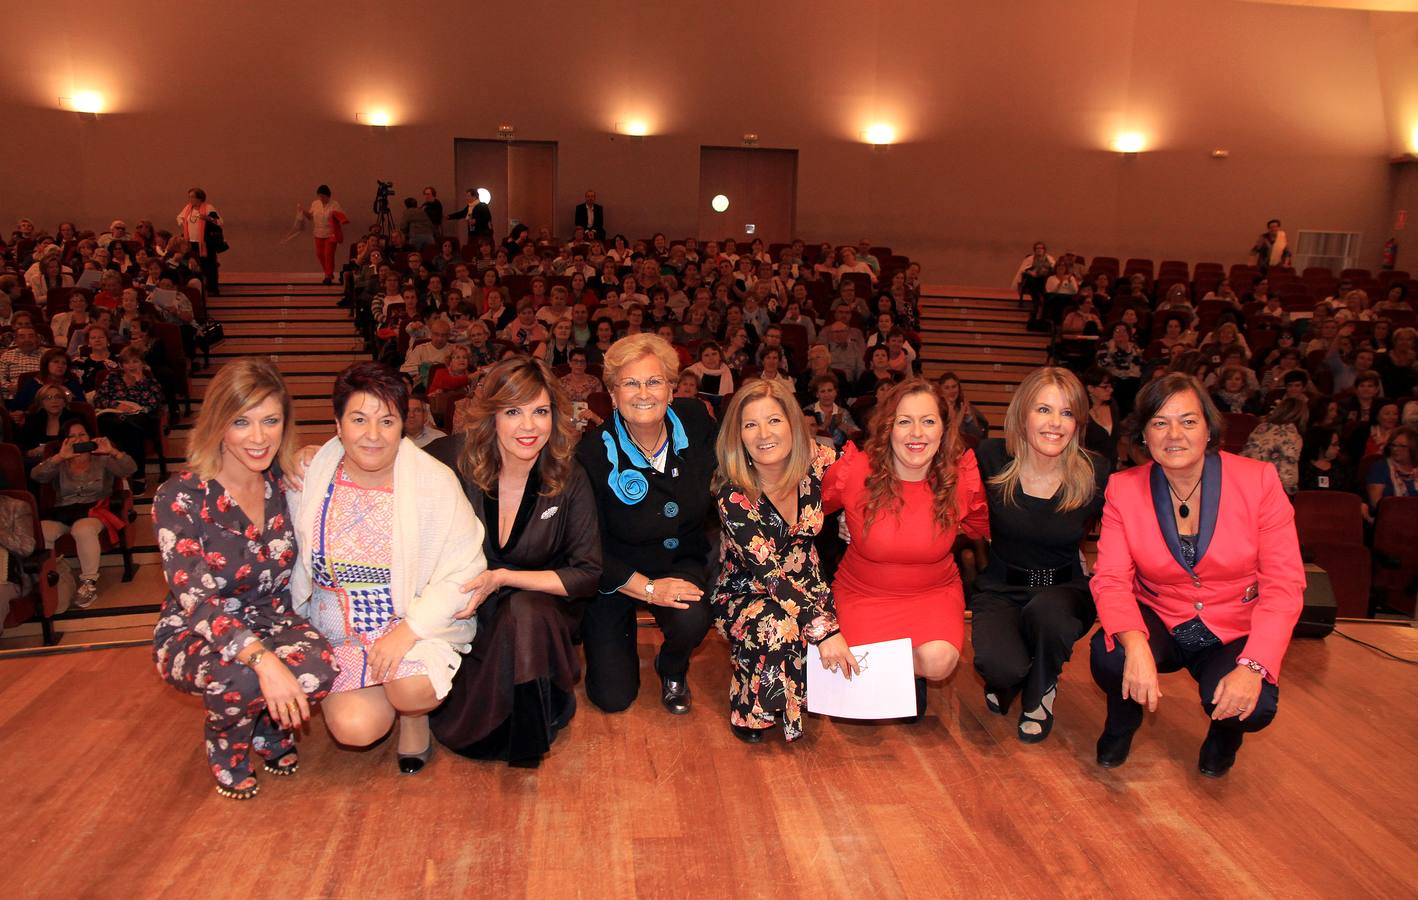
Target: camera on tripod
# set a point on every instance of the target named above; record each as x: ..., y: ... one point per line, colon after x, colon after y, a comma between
x: 382, y: 193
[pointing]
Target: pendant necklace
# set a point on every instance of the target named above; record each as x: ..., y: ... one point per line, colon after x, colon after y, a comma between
x: 1183, y: 510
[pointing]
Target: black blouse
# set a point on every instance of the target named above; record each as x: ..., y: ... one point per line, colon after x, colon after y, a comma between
x: 655, y: 523
x: 1031, y: 533
x: 557, y: 533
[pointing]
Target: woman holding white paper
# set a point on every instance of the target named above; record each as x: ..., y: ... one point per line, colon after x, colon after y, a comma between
x: 906, y: 497
x: 770, y: 600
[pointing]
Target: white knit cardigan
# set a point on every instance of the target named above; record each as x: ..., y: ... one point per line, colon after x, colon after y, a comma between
x: 437, y: 547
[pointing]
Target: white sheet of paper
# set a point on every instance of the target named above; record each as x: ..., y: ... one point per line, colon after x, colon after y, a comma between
x: 89, y: 279
x: 163, y: 297
x: 885, y: 688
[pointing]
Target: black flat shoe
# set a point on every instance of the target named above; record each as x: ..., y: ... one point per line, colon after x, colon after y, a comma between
x: 674, y: 692
x: 413, y: 763
x: 746, y: 734
x: 1218, y: 751
x: 1113, y: 749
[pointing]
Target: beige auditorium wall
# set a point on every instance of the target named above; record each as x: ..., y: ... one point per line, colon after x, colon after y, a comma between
x: 1003, y: 113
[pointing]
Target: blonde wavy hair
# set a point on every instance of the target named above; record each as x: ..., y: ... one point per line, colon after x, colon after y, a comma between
x: 237, y: 387
x: 1078, y: 484
x: 883, y: 487
x: 736, y: 464
x: 516, y: 381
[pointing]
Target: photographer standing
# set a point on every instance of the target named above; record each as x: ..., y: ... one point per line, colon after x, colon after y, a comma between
x: 327, y: 217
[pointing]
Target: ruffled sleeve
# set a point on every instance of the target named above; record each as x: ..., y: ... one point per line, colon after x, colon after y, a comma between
x: 844, y: 478
x: 970, y: 493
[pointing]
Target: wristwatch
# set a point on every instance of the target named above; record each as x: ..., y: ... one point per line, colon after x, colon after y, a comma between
x: 649, y: 590
x: 1254, y: 666
x: 254, y: 659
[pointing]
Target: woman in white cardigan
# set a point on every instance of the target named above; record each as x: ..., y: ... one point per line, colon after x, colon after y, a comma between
x: 387, y: 539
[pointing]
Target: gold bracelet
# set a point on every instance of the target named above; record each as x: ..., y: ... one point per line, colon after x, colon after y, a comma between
x: 254, y: 659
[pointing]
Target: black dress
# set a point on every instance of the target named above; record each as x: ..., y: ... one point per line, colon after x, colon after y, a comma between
x: 1024, y: 623
x: 514, y: 690
x: 653, y: 523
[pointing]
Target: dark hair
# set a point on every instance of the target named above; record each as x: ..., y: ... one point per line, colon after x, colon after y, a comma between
x: 577, y: 351
x: 48, y: 357
x: 1296, y: 376
x: 200, y: 194
x: 410, y: 203
x: 1155, y: 394
x: 375, y: 379
x: 323, y: 190
x: 1271, y: 222
x: 1317, y: 441
x: 1407, y: 431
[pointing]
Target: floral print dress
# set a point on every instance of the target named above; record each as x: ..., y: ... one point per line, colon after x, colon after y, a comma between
x: 229, y: 587
x: 771, y: 601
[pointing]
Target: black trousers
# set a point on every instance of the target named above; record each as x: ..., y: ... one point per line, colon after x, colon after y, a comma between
x: 608, y: 637
x: 210, y: 267
x: 1208, y: 667
x: 1023, y: 636
x: 129, y: 433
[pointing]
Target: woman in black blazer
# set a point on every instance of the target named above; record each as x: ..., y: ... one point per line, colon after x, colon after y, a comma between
x: 650, y: 466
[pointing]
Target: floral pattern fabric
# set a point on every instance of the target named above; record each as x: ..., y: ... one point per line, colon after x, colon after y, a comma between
x: 1280, y: 446
x: 229, y: 587
x: 770, y: 601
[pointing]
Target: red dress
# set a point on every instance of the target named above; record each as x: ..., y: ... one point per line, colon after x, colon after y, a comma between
x: 898, y: 578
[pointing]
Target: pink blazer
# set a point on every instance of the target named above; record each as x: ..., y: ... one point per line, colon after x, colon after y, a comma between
x: 1249, y: 580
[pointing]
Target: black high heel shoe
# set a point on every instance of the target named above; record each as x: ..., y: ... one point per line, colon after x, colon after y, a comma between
x: 922, y: 698
x: 746, y: 734
x: 998, y: 702
x: 245, y: 793
x: 1032, y: 717
x: 413, y: 763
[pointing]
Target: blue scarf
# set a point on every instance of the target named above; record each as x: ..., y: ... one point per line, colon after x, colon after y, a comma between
x: 630, y: 485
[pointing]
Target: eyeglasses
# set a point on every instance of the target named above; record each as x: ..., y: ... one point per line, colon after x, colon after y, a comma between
x: 653, y: 385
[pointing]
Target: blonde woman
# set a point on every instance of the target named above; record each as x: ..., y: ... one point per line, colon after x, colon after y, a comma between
x: 1031, y: 604
x: 650, y: 465
x: 770, y: 600
x: 228, y: 631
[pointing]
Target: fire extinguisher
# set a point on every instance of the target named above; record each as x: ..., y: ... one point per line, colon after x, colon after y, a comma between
x: 1390, y: 258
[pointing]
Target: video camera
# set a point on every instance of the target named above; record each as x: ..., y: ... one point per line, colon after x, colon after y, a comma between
x: 382, y: 192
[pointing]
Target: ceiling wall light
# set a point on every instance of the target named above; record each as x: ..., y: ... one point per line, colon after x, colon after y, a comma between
x: 506, y: 131
x: 632, y: 128
x: 720, y: 203
x: 750, y: 139
x: 376, y: 118
x: 1130, y: 143
x: 484, y: 195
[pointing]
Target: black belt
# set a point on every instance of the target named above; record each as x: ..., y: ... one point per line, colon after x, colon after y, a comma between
x: 1017, y: 577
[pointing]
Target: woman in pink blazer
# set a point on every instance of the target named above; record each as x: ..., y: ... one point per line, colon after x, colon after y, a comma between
x: 1198, y: 568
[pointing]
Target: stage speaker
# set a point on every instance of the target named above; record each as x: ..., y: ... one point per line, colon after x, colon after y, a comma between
x: 1317, y: 617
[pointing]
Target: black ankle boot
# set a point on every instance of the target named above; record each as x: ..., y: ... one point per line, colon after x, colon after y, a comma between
x: 1218, y: 751
x: 921, y: 698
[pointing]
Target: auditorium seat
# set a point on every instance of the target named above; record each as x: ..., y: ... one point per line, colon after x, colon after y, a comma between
x: 1356, y: 274
x: 1396, y: 553
x: 1350, y: 574
x: 1238, y: 427
x: 1335, y: 517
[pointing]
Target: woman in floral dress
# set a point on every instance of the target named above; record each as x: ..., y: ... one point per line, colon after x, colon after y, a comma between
x: 227, y: 631
x: 770, y: 600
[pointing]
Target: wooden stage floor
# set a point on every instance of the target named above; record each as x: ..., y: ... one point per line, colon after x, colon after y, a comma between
x: 106, y: 794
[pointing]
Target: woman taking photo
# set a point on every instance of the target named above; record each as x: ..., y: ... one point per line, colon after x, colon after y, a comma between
x: 1031, y: 604
x: 649, y: 466
x: 387, y: 542
x: 227, y: 631
x: 770, y: 600
x: 1198, y: 568
x: 516, y: 687
x: 907, y: 496
x: 83, y: 471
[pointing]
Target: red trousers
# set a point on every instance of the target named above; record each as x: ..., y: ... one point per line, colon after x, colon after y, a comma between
x: 325, y: 252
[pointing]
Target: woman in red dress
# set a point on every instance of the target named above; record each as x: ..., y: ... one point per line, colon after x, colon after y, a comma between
x: 906, y: 497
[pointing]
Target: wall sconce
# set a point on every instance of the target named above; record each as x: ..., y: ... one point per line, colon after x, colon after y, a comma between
x: 879, y: 135
x: 1129, y: 143
x: 719, y: 203
x: 1220, y: 153
x: 375, y: 119
x: 750, y: 139
x: 1413, y: 141
x: 635, y: 129
x: 88, y: 104
x: 506, y: 131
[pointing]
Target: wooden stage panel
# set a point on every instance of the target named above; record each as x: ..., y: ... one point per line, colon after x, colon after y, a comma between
x: 106, y: 793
